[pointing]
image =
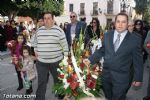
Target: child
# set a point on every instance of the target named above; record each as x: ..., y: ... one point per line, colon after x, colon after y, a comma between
x: 15, y: 47
x: 28, y: 70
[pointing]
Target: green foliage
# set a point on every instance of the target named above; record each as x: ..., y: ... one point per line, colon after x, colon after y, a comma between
x: 8, y: 8
x: 143, y: 8
x: 32, y: 8
x: 146, y: 15
x: 53, y: 6
x: 58, y: 88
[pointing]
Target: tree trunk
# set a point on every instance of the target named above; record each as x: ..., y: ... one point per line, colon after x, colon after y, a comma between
x: 12, y: 15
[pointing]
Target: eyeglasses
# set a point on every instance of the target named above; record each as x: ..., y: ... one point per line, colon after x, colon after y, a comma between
x: 72, y: 16
x: 138, y: 24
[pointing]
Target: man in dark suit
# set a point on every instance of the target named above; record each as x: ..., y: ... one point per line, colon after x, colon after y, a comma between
x: 74, y: 28
x: 120, y: 50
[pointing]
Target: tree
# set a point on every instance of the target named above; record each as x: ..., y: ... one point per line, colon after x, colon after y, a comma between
x: 55, y: 6
x: 142, y: 7
x: 32, y: 8
x: 9, y: 8
x: 146, y: 15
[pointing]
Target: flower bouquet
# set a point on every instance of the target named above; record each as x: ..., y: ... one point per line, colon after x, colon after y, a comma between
x: 76, y: 79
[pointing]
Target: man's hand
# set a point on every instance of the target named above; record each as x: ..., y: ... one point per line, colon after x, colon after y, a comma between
x: 136, y: 84
x: 86, y: 62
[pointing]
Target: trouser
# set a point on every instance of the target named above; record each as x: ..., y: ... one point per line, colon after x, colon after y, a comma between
x: 113, y: 90
x: 20, y: 81
x: 43, y: 75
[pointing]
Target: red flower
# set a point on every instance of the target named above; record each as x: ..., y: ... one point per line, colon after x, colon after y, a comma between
x: 69, y: 80
x: 91, y: 82
x: 61, y: 76
x: 74, y: 76
x: 94, y: 68
x: 82, y: 65
x: 74, y: 85
x: 73, y: 81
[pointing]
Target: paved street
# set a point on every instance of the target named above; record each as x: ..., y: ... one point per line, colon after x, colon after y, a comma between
x: 8, y: 82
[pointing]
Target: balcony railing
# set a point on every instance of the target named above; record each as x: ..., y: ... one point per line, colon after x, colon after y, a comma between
x: 82, y: 13
x: 109, y: 11
x: 94, y: 12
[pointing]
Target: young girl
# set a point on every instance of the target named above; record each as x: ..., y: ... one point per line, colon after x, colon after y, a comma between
x: 15, y: 47
x: 28, y: 70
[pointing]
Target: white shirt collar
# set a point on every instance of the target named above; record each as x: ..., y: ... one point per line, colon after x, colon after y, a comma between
x: 123, y: 34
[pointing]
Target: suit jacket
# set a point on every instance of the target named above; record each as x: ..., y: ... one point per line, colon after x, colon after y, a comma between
x: 79, y: 26
x: 118, y: 63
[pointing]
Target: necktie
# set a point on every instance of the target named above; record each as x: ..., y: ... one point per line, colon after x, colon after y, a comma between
x: 116, y: 44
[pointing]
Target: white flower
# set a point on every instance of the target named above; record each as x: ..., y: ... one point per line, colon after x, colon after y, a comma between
x: 82, y: 47
x: 65, y: 61
x: 66, y: 84
x: 60, y: 71
x: 94, y: 76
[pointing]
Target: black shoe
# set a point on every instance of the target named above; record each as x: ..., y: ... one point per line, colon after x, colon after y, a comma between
x: 60, y: 97
x: 146, y: 98
x: 19, y: 88
x: 29, y: 91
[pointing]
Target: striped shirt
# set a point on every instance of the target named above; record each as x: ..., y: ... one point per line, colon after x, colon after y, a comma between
x: 50, y: 44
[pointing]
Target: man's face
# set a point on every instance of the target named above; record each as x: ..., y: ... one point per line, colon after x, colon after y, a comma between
x: 48, y: 20
x: 121, y: 23
x: 40, y: 22
x: 130, y: 26
x: 73, y: 17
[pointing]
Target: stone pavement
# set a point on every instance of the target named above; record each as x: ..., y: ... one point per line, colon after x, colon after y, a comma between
x: 8, y: 82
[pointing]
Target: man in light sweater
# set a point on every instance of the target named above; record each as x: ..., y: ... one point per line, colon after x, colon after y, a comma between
x: 50, y: 48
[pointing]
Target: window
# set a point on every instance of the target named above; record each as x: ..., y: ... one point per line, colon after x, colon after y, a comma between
x: 82, y: 5
x: 71, y: 7
x: 95, y: 8
x: 109, y: 21
x: 110, y: 6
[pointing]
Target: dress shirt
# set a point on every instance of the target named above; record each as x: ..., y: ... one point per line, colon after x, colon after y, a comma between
x: 123, y: 34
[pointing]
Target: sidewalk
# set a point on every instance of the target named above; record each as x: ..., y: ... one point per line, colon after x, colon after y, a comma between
x: 4, y: 54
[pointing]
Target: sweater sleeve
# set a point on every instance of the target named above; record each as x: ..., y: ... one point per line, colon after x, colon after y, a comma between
x: 35, y: 42
x: 63, y: 43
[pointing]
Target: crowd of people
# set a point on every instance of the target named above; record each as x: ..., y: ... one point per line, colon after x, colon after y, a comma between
x: 38, y: 48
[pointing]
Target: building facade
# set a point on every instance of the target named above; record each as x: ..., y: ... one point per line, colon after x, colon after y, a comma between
x: 104, y: 10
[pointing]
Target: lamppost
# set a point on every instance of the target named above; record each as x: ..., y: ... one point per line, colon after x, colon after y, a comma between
x: 124, y: 5
x: 100, y: 11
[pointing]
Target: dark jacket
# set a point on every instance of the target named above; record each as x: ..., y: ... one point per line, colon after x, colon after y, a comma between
x: 79, y: 26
